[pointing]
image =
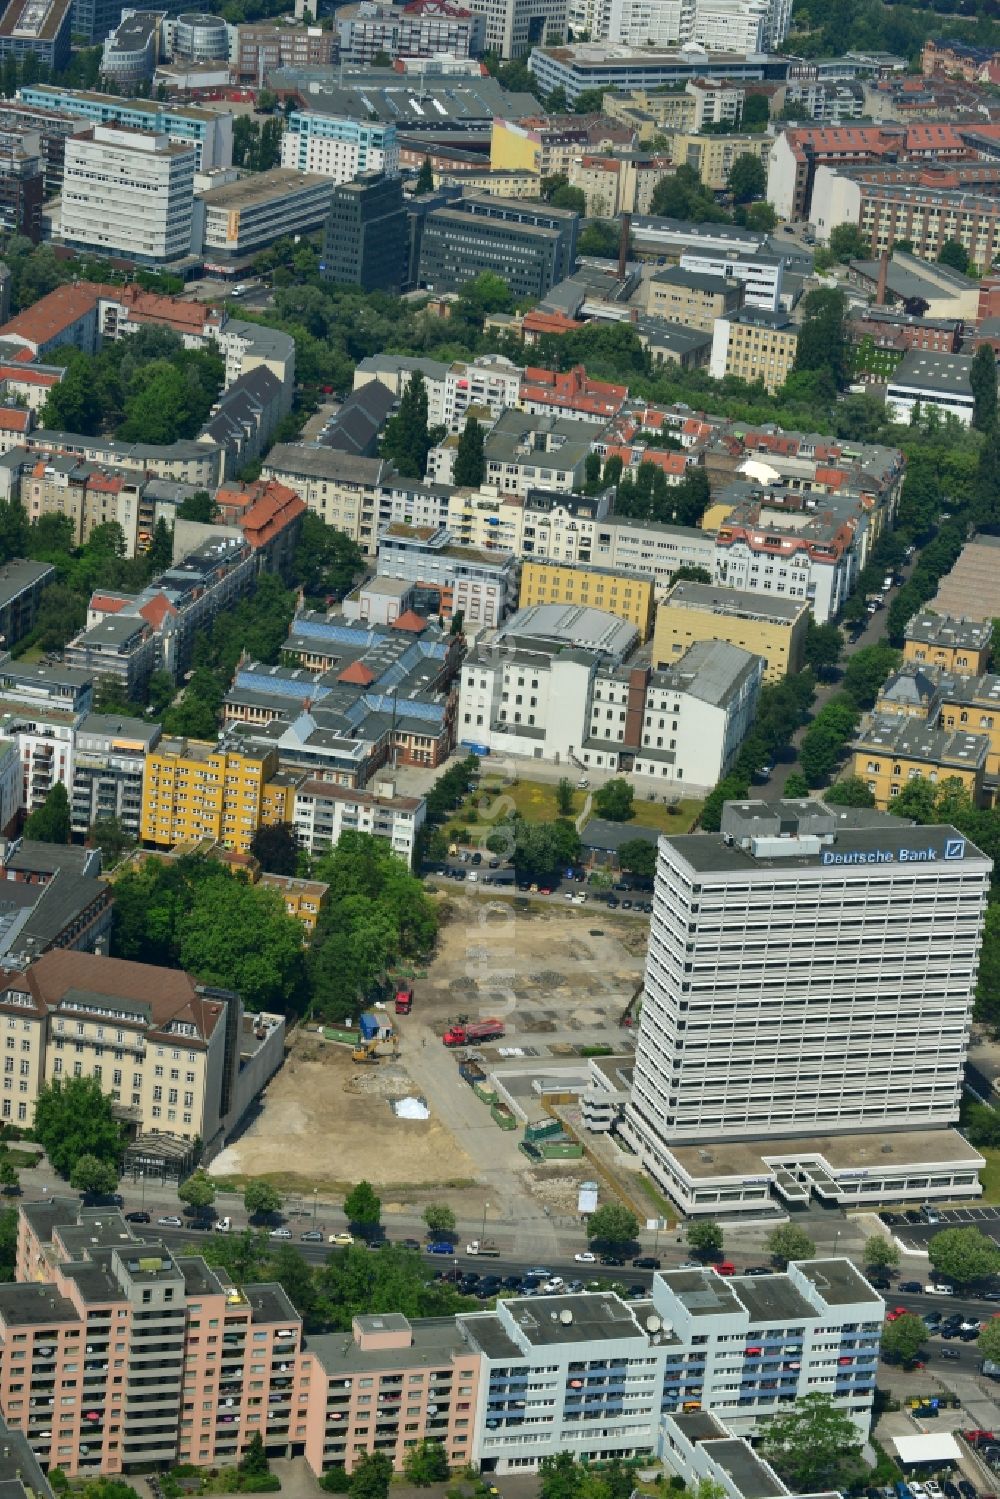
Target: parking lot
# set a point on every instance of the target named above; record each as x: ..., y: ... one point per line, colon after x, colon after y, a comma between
x: 574, y: 887
x: 915, y: 1234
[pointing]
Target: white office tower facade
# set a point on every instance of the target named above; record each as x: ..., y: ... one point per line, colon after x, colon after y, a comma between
x: 749, y: 26
x: 128, y: 193
x: 808, y: 997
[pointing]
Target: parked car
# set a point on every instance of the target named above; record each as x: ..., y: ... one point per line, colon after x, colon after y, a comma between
x: 170, y: 1220
x: 912, y: 1287
x: 441, y: 1246
x: 585, y: 1258
x: 137, y: 1217
x: 646, y: 1262
x: 313, y: 1236
x: 344, y: 1239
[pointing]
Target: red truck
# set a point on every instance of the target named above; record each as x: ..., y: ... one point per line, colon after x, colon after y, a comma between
x: 404, y: 999
x: 468, y: 1035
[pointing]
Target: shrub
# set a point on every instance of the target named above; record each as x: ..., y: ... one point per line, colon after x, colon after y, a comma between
x: 335, y: 1481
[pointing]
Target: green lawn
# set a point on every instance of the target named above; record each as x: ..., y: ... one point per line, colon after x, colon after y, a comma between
x: 536, y: 802
x: 666, y: 819
x: 990, y: 1175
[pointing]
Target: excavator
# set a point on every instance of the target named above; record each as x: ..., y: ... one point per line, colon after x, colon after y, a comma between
x: 371, y: 1051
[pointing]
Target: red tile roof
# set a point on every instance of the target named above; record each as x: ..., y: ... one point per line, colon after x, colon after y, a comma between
x: 105, y: 603
x: 170, y: 994
x: 55, y: 313
x: 410, y: 621
x: 157, y: 610
x: 358, y: 674
x: 14, y: 419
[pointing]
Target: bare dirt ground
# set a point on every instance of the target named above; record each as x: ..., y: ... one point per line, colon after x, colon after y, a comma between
x: 560, y: 978
x: 325, y: 1115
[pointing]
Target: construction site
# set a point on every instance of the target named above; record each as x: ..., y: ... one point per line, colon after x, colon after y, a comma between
x: 387, y: 1100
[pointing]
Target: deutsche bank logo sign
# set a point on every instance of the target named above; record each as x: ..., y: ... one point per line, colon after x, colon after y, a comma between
x: 954, y: 848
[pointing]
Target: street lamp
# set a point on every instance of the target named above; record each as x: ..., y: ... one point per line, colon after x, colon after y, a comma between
x: 315, y: 1190
x: 142, y: 1179
x: 482, y: 1236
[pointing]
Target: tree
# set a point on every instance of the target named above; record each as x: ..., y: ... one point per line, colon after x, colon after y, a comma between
x: 110, y: 837
x: 439, y: 1218
x: 542, y: 850
x: 470, y: 458
x: 822, y: 344
x: 823, y: 645
x: 988, y: 1342
x: 276, y: 848
x: 425, y: 177
x: 852, y: 791
x: 756, y: 112
x: 614, y: 800
x: 407, y: 441
x: 426, y: 1463
x: 954, y: 255
x: 866, y: 672
x: 705, y: 1238
x: 240, y: 937
x: 564, y: 796
x: 371, y: 1476
x: 983, y: 376
x: 904, y: 1337
x: 612, y: 1224
x: 762, y: 217
x: 362, y: 1206
x: 847, y: 243
x: 50, y: 823
x: 198, y: 506
x: 796, y: 785
x: 198, y: 1191
x: 600, y: 240
x: 560, y: 1476
x: 880, y: 1254
x: 93, y: 1177
x: 254, y: 1460
x: 814, y: 1446
x: 747, y: 178
x: 788, y: 1242
x: 73, y: 1118
x: 260, y: 1199
x: 963, y: 1255
x: 9, y: 1175
x: 638, y: 857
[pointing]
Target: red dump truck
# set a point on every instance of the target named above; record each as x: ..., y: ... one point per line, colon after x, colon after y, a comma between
x: 469, y: 1035
x: 404, y: 999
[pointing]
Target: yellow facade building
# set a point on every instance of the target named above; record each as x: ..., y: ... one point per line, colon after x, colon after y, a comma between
x: 193, y: 790
x: 712, y: 156
x: 891, y: 752
x: 958, y: 645
x: 769, y: 627
x: 630, y: 596
x: 755, y: 345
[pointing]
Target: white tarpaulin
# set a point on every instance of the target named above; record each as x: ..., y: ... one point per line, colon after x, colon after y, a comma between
x: 411, y: 1108
x: 928, y: 1447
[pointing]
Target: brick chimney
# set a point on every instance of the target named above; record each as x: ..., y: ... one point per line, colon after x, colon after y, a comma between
x: 883, y: 279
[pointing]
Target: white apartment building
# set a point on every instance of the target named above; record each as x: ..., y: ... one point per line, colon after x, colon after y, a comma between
x: 491, y: 382
x: 800, y: 1034
x: 730, y: 26
x: 338, y: 147
x: 923, y: 380
x: 602, y: 1378
x: 128, y: 193
x: 322, y: 811
x: 555, y: 684
x: 748, y: 26
x: 760, y: 273
x: 767, y: 550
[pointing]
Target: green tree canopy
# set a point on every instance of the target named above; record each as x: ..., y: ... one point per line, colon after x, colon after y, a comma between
x: 50, y: 823
x: 847, y: 243
x: 954, y: 255
x: 705, y: 1237
x: 371, y: 1476
x: 614, y: 800
x: 425, y: 177
x: 613, y: 1224
x: 963, y: 1255
x: 813, y: 1446
x: 407, y: 440
x: 198, y: 1191
x: 426, y: 1463
x: 470, y: 457
x: 788, y: 1242
x: 94, y: 1177
x: 988, y: 1342
x: 73, y: 1118
x: 542, y: 850
x: 260, y: 1199
x: 638, y: 857
x: 852, y: 791
x: 904, y: 1337
x: 439, y: 1218
x: 276, y: 848
x: 880, y: 1254
x: 983, y: 375
x: 362, y: 1206
x: 747, y: 178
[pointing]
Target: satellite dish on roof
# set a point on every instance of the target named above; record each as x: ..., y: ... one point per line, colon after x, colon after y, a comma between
x: 653, y: 1323
x: 565, y: 1316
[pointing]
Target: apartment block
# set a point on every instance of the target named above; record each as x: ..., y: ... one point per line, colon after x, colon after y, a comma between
x: 557, y: 682
x: 119, y: 648
x: 546, y: 392
x: 720, y: 1112
x: 461, y: 580
x: 629, y: 596
x: 243, y: 217
x: 264, y: 45
x: 532, y: 245
x: 525, y: 452
x: 337, y: 147
x: 774, y: 629
x: 956, y: 644
x: 890, y: 752
x: 209, y: 131
x: 420, y: 28
x: 169, y: 1052
x: 40, y: 31
x: 109, y: 767
x: 193, y: 791
x: 772, y: 543
x: 322, y: 811
x: 94, y: 1298
x: 712, y: 156
x: 755, y: 345
x: 341, y: 489
x: 694, y: 298
x: 128, y: 193
x: 924, y: 380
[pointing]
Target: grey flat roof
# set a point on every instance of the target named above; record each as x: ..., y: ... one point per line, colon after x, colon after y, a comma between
x: 714, y: 599
x: 707, y: 853
x: 609, y: 836
x: 771, y: 1298
x: 838, y: 1281
x: 702, y: 1293
x: 264, y: 187
x: 435, y: 1341
x: 589, y: 1317
x: 752, y: 1477
x: 930, y: 371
